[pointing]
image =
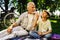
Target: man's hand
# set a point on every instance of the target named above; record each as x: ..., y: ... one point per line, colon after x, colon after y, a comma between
x: 9, y: 30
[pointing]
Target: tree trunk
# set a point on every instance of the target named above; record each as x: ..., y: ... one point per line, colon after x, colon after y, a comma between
x: 6, y: 6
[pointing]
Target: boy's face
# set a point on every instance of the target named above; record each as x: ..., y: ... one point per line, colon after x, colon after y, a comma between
x: 44, y: 15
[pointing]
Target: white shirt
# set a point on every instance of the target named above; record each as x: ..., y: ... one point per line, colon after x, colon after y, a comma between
x: 44, y: 26
x: 30, y: 18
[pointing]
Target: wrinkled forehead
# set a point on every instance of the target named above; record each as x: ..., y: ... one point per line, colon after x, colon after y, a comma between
x: 30, y: 4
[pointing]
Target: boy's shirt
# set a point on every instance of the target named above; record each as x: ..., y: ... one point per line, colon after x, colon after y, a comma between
x: 44, y: 26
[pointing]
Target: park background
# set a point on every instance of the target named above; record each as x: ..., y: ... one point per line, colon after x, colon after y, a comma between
x: 53, y: 6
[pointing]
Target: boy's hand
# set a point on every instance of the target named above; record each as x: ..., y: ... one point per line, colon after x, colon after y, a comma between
x: 40, y: 33
x: 43, y: 33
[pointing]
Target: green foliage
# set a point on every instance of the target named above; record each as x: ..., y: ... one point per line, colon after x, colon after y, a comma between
x: 55, y: 26
x: 41, y: 4
x: 29, y: 0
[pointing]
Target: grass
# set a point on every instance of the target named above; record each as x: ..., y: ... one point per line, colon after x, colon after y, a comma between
x: 55, y: 26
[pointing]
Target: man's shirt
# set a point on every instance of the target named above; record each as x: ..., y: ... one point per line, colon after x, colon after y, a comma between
x: 30, y: 20
x: 26, y: 20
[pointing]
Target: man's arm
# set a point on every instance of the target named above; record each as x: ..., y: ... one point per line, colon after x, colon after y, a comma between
x: 35, y: 21
x: 36, y: 18
x: 9, y: 29
x: 13, y: 25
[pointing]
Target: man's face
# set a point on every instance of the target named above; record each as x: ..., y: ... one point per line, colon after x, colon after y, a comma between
x: 31, y: 8
x: 44, y: 14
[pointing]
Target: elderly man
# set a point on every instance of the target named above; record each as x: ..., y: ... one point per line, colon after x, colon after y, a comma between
x: 26, y: 22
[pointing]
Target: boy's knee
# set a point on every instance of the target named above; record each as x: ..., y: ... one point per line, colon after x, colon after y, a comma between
x: 48, y: 35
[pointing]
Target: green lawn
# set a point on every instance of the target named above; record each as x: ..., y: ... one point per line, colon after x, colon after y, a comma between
x: 55, y: 26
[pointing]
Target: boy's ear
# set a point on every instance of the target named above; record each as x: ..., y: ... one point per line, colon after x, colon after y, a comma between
x: 47, y: 16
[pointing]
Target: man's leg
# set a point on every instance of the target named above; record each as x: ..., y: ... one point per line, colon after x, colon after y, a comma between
x: 18, y: 28
x: 19, y: 31
x: 3, y: 33
x: 8, y: 36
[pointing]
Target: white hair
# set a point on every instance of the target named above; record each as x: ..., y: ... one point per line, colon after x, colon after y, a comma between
x: 30, y: 3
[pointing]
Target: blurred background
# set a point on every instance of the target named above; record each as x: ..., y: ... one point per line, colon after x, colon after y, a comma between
x: 11, y: 9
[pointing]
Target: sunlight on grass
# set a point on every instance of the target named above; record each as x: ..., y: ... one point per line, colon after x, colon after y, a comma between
x: 54, y: 21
